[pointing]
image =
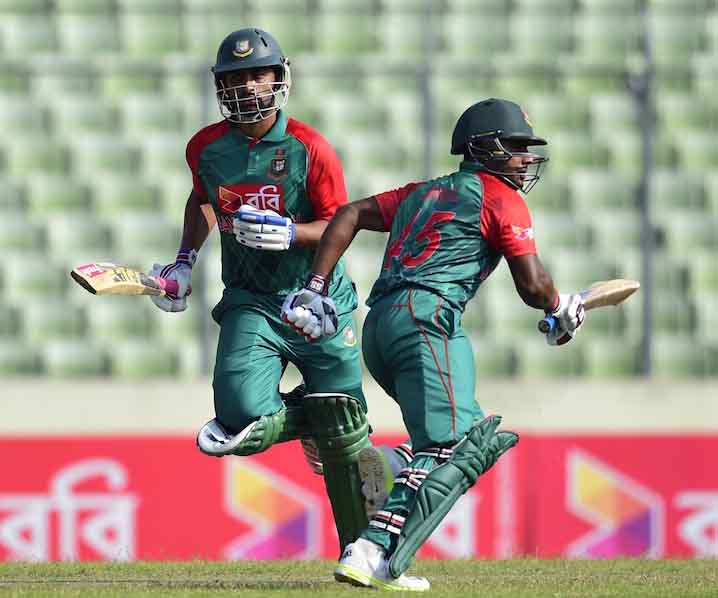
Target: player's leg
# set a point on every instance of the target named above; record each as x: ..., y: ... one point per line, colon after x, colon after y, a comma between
x: 336, y: 410
x: 434, y: 380
x: 250, y: 412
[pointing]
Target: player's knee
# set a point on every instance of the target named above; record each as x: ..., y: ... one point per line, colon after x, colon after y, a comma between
x: 236, y: 407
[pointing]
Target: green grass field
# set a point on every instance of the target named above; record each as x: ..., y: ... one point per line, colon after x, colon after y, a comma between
x: 494, y: 579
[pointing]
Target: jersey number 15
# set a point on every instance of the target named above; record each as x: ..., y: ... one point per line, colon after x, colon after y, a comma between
x: 429, y: 233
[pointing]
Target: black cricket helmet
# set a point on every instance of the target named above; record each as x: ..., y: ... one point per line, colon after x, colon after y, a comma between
x: 483, y: 127
x: 251, y: 48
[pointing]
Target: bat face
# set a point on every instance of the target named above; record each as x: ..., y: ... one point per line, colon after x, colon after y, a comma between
x: 609, y: 292
x: 104, y: 278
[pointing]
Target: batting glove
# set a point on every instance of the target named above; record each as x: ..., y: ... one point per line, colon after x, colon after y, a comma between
x: 263, y: 229
x: 180, y: 271
x: 570, y: 316
x: 310, y: 312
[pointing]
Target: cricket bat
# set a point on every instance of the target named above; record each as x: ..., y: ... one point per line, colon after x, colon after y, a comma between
x: 105, y: 278
x: 599, y: 294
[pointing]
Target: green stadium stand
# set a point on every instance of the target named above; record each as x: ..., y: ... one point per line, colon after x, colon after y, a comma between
x: 697, y: 151
x: 146, y: 35
x: 75, y: 115
x: 673, y: 314
x: 19, y: 358
x: 87, y: 34
x: 624, y: 8
x: 614, y: 227
x: 32, y: 275
x: 552, y: 111
x: 149, y: 6
x: 295, y: 41
x: 121, y: 75
x: 703, y: 268
x: 56, y: 75
x: 20, y: 115
x: 582, y: 77
x: 19, y: 234
x: 36, y: 154
x: 711, y: 191
x: 571, y: 149
x: 551, y: 193
x: 556, y: 229
x: 679, y: 356
x: 26, y: 34
x: 608, y: 39
x: 176, y: 329
x: 704, y: 71
x: 14, y: 76
x: 24, y: 6
x: 706, y: 306
x: 461, y: 39
x: 608, y: 359
x: 79, y: 238
x: 676, y: 37
x: 573, y: 271
x: 679, y: 111
x: 144, y: 115
x: 73, y: 358
x: 101, y: 155
x: 85, y: 6
x: 163, y: 155
x: 344, y: 36
x: 143, y: 237
x: 114, y: 319
x: 537, y: 360
x: 687, y: 230
x: 673, y: 189
x: 53, y: 194
x: 53, y: 318
x: 599, y: 189
x: 12, y: 199
x: 10, y: 322
x: 113, y: 195
x: 543, y: 7
x: 541, y: 37
x: 136, y: 359
x: 611, y: 111
x: 480, y: 7
x: 493, y: 359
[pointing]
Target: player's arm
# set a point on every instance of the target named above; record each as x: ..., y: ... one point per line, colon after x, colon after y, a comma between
x: 533, y: 283
x: 199, y: 220
x: 307, y: 234
x: 349, y: 219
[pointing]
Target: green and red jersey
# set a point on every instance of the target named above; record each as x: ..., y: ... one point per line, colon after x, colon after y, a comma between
x: 447, y: 235
x: 292, y: 170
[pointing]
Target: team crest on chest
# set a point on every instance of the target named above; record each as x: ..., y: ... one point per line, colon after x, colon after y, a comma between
x: 278, y: 165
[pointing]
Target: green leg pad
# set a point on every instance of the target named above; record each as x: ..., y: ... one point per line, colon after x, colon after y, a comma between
x: 472, y: 456
x: 289, y: 423
x: 340, y: 429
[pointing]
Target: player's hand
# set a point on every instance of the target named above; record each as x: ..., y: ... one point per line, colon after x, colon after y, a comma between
x: 263, y: 229
x: 311, y: 313
x: 181, y: 272
x: 570, y: 316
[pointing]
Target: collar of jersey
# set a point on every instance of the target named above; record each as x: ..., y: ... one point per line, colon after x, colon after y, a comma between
x: 470, y: 166
x: 277, y: 133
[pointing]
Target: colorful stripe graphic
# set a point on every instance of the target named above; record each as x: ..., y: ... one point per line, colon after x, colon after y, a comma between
x: 285, y: 519
x: 627, y: 517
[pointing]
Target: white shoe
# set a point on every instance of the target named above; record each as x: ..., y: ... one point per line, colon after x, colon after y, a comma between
x: 363, y: 564
x: 377, y: 478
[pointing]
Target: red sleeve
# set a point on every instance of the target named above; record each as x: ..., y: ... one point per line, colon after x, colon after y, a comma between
x: 389, y: 201
x: 194, y: 148
x: 325, y: 177
x: 506, y: 223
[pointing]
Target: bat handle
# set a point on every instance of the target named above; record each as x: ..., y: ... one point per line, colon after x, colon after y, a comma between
x: 547, y: 324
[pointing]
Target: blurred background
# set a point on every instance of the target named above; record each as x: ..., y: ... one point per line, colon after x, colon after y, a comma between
x: 98, y: 99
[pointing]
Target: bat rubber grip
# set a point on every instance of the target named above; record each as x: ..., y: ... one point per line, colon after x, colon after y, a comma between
x: 170, y: 287
x: 547, y: 324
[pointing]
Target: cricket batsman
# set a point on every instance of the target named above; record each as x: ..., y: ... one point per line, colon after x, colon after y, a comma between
x: 271, y: 184
x: 446, y: 237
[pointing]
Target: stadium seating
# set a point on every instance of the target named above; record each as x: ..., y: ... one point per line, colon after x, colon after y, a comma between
x: 99, y: 97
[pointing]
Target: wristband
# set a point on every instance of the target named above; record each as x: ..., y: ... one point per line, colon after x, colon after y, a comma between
x: 317, y: 283
x: 186, y: 256
x: 556, y: 302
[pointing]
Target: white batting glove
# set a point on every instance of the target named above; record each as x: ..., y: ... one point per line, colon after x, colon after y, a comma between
x: 180, y: 271
x: 570, y: 316
x: 311, y: 313
x: 263, y: 229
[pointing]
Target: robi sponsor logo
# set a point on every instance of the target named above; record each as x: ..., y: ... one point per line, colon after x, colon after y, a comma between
x: 263, y: 197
